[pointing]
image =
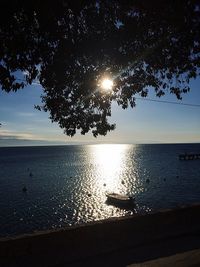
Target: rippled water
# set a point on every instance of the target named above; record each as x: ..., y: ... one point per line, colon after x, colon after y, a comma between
x: 69, y: 183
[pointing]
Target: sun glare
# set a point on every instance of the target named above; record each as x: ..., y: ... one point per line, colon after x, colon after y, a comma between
x: 107, y: 84
x: 109, y: 161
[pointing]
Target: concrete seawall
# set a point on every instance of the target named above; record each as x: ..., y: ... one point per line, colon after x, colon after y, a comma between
x: 72, y: 244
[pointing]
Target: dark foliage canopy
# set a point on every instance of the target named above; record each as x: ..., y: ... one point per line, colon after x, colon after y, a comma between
x: 69, y: 46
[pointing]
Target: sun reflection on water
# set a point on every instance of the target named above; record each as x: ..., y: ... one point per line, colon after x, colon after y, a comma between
x: 109, y: 163
x: 109, y: 168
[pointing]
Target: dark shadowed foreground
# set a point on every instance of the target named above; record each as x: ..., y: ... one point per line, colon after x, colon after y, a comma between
x: 114, y: 242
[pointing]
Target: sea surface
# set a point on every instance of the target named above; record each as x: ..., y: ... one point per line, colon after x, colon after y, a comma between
x: 67, y: 185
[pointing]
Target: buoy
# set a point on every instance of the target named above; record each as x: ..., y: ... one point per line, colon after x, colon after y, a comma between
x: 104, y: 184
x: 24, y: 189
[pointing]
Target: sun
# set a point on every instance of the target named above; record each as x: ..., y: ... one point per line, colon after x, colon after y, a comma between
x: 107, y: 84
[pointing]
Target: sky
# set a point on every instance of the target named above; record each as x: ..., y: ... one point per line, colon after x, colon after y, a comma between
x: 148, y: 122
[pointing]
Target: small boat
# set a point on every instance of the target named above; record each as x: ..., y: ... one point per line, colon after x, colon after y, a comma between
x: 119, y: 199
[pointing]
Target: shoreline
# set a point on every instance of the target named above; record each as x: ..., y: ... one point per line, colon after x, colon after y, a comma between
x: 75, y: 244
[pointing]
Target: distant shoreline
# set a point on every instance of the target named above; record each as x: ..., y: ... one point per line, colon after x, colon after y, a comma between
x: 91, y: 144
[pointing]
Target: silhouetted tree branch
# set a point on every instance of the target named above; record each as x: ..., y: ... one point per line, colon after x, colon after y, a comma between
x: 70, y: 45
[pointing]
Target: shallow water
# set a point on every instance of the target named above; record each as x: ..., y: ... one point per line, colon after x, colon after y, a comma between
x: 69, y: 183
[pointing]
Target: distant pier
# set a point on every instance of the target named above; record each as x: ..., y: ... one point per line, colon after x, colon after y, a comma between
x: 190, y: 156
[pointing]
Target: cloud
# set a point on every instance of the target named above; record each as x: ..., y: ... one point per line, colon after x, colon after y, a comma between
x: 26, y: 114
x: 3, y: 123
x: 5, y: 134
x: 15, y: 135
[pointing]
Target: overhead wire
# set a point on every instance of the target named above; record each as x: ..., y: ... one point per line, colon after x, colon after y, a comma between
x: 167, y: 102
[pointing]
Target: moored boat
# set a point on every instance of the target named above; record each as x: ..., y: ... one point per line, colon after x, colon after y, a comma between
x: 120, y: 199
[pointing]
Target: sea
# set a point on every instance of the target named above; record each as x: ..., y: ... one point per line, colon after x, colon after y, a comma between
x: 67, y: 185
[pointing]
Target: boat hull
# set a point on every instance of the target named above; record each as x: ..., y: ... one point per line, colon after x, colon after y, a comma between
x: 120, y: 200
